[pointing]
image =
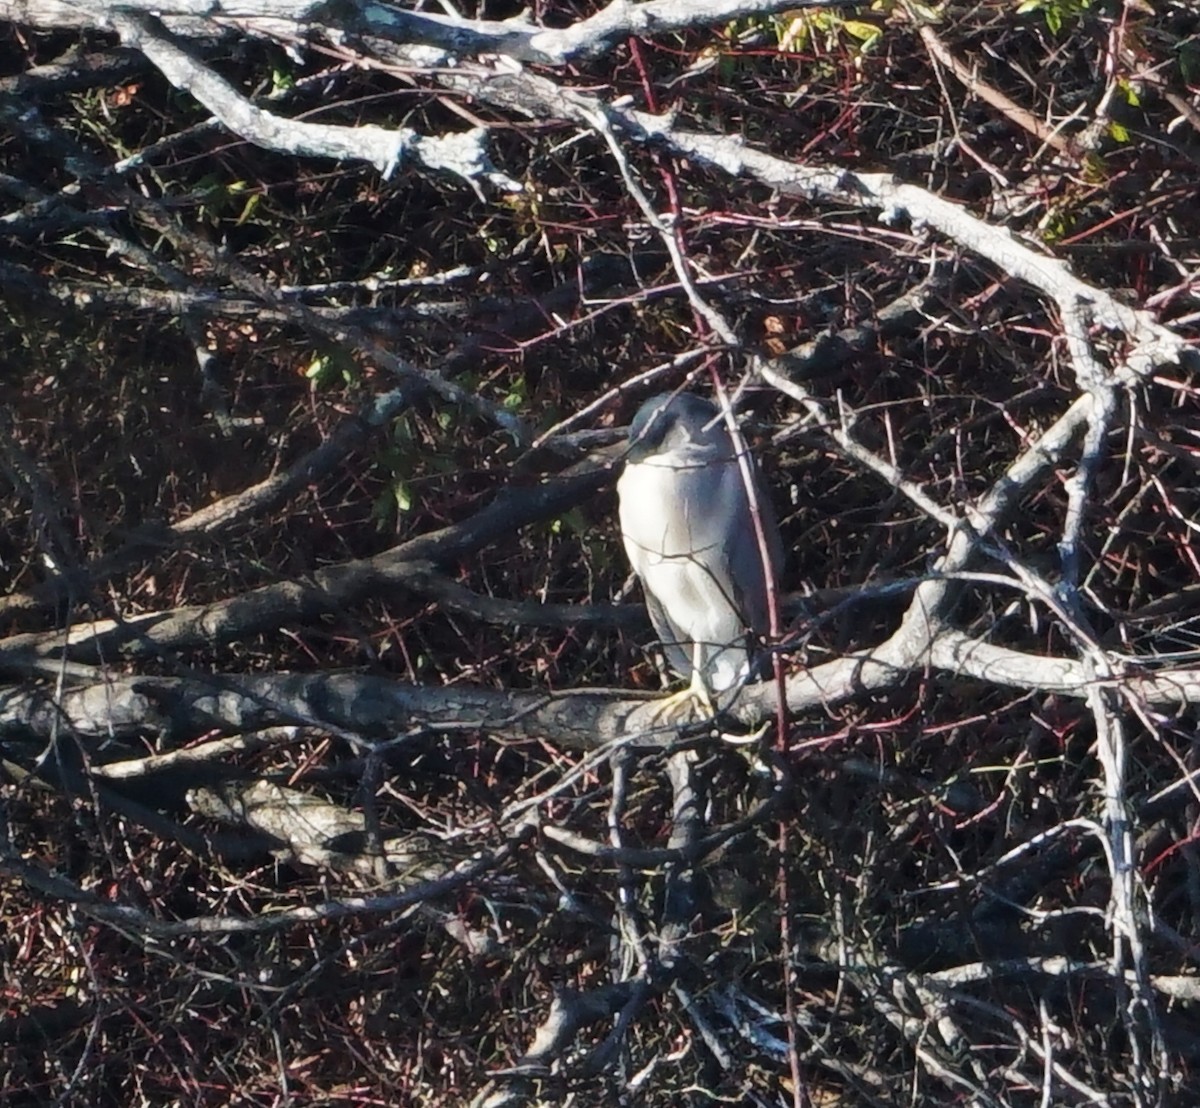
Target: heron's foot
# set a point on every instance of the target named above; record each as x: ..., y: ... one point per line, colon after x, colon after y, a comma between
x: 689, y: 705
x: 683, y: 707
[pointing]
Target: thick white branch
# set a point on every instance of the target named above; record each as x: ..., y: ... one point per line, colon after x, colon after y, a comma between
x: 1154, y: 344
x: 456, y: 38
x: 1151, y: 344
x: 591, y: 37
x: 190, y: 14
x: 462, y: 154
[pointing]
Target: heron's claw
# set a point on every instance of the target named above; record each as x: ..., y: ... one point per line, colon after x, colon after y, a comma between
x: 695, y: 697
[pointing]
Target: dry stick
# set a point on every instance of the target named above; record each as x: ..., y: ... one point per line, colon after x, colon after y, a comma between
x: 99, y: 298
x: 1022, y: 117
x: 654, y: 857
x: 1183, y: 107
x: 783, y: 882
x: 194, y: 14
x: 74, y: 72
x: 1155, y: 344
x: 597, y: 117
x: 581, y: 719
x: 862, y: 1079
x: 30, y: 481
x: 708, y: 1034
x: 830, y: 350
x: 1181, y: 987
x: 1110, y: 742
x: 1142, y: 1009
x: 349, y: 705
x: 450, y: 596
x: 135, y: 920
x: 201, y: 753
x: 957, y: 652
x: 851, y: 448
x: 668, y: 370
x: 629, y: 949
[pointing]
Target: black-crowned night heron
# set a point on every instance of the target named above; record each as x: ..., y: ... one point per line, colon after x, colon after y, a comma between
x: 690, y: 534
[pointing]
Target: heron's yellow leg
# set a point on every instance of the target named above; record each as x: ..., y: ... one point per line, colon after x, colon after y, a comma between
x: 696, y: 695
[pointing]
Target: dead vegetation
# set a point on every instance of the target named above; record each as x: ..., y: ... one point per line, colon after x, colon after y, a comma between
x: 326, y: 762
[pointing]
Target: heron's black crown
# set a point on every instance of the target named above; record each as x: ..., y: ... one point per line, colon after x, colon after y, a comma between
x: 667, y: 420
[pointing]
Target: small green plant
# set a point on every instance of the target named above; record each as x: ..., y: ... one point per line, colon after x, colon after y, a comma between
x: 1055, y: 12
x: 515, y: 399
x: 796, y: 33
x: 400, y: 464
x: 330, y: 368
x: 220, y: 199
x: 395, y: 500
x: 573, y: 523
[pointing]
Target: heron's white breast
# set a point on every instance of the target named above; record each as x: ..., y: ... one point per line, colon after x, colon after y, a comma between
x: 675, y: 504
x: 675, y: 517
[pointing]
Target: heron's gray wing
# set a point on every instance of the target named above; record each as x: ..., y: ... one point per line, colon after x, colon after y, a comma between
x: 669, y: 634
x: 745, y: 561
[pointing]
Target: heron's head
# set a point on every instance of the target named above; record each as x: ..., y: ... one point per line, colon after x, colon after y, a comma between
x: 672, y: 421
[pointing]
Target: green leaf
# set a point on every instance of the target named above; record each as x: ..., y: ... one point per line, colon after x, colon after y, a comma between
x: 1117, y: 131
x: 515, y: 400
x: 1130, y: 93
x: 866, y: 33
x: 403, y: 494
x: 573, y: 522
x: 248, y: 209
x: 318, y: 368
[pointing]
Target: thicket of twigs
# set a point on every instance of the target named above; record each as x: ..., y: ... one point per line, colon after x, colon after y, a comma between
x: 328, y: 765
